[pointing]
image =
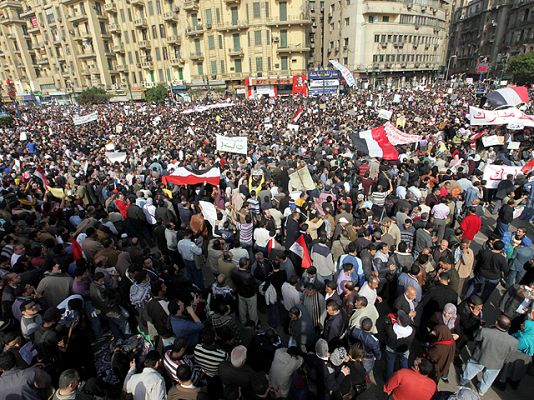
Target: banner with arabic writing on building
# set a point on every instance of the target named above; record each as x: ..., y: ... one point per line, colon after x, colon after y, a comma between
x: 236, y: 144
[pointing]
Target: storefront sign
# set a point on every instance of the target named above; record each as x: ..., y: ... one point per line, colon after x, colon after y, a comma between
x: 299, y: 85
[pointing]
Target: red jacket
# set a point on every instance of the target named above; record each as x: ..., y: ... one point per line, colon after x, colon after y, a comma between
x: 471, y: 225
x: 407, y: 384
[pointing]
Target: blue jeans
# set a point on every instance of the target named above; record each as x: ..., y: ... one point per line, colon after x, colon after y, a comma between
x: 195, y: 274
x: 482, y: 287
x: 472, y: 368
x: 391, y: 357
x: 368, y: 364
x: 514, y: 277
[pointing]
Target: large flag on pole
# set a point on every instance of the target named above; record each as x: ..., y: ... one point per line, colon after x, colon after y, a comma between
x: 508, y: 96
x: 374, y: 143
x: 301, y: 250
x: 297, y: 115
x: 188, y: 176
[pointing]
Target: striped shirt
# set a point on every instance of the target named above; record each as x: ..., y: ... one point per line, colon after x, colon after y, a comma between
x: 209, y: 359
x: 379, y: 198
x: 171, y: 364
x: 245, y: 232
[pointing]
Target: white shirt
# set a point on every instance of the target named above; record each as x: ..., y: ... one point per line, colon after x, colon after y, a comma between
x: 290, y: 295
x: 261, y: 237
x: 368, y: 293
x: 148, y: 385
x: 440, y: 211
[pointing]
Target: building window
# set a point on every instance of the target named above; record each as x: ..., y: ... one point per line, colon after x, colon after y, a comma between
x: 162, y: 31
x: 331, y: 27
x: 197, y: 47
x: 256, y: 13
x: 208, y: 17
x: 158, y: 54
x: 211, y: 42
x: 283, y: 11
x: 347, y: 21
x: 377, y: 38
x: 200, y: 69
x: 346, y: 41
x: 234, y: 14
x: 222, y: 66
x: 126, y: 37
x: 236, y: 41
x: 238, y: 66
x: 267, y: 9
x: 345, y: 61
x: 158, y: 6
x: 257, y: 38
x: 154, y: 32
x: 160, y: 75
x: 165, y: 53
x: 283, y: 39
x: 385, y: 18
x: 213, y: 67
x: 150, y: 8
x: 259, y: 64
x: 220, y: 42
x: 284, y: 63
x: 218, y: 15
x: 372, y: 19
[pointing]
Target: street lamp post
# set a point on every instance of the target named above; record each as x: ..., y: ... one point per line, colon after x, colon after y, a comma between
x: 448, y: 66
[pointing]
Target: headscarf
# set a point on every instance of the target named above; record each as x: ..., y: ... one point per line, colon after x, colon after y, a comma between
x: 449, y: 322
x: 526, y: 338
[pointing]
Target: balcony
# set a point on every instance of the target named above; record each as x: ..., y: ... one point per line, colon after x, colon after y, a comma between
x: 170, y: 16
x: 140, y: 23
x: 144, y: 44
x: 232, y: 26
x: 89, y: 54
x: 67, y: 2
x: 232, y: 2
x: 194, y: 30
x: 235, y: 52
x: 196, y: 57
x: 190, y: 5
x: 33, y: 30
x: 137, y: 3
x: 10, y: 19
x: 289, y: 21
x: 27, y: 12
x: 177, y: 61
x: 121, y: 68
x: 146, y: 64
x: 174, y: 40
x: 293, y: 49
x: 110, y: 8
x: 114, y: 28
x: 77, y: 17
x: 118, y: 48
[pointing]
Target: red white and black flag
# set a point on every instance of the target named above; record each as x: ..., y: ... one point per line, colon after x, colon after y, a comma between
x: 189, y: 176
x: 374, y: 143
x: 39, y: 174
x: 297, y: 115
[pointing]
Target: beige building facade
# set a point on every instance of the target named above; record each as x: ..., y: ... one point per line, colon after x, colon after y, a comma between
x: 388, y: 41
x: 60, y: 47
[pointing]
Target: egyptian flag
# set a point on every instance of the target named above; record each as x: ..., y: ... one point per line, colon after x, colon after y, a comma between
x: 77, y: 252
x: 509, y: 96
x: 39, y: 174
x: 189, y: 176
x: 374, y: 143
x: 301, y: 250
x: 528, y: 167
x: 297, y: 115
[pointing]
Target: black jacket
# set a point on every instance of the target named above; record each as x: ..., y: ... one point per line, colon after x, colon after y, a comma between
x: 245, y: 283
x: 395, y: 343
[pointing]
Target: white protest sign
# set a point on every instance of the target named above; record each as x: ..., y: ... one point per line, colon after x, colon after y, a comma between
x: 23, y: 136
x: 397, y: 98
x: 494, y: 174
x: 369, y: 103
x: 513, y: 146
x: 118, y: 128
x: 110, y: 147
x: 385, y: 114
x: 117, y: 156
x: 84, y: 119
x: 293, y: 127
x: 417, y: 119
x: 492, y: 140
x: 469, y: 81
x: 515, y: 126
x: 267, y: 126
x: 236, y: 144
x: 208, y: 211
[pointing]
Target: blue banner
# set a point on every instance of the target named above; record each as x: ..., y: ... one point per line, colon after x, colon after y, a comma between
x: 323, y: 74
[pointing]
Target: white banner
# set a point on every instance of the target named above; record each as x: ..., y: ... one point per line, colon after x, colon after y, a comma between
x: 84, y: 119
x: 23, y: 137
x: 318, y: 83
x: 515, y: 127
x: 479, y: 116
x: 199, y: 109
x: 349, y: 78
x: 208, y: 211
x: 385, y: 114
x: 293, y: 127
x: 513, y: 146
x: 117, y: 156
x: 236, y: 144
x: 494, y: 174
x: 397, y: 98
x: 492, y: 140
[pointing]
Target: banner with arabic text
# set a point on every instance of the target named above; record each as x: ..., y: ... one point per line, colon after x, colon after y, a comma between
x: 84, y: 119
x: 494, y: 174
x: 479, y: 116
x: 349, y: 78
x: 236, y: 144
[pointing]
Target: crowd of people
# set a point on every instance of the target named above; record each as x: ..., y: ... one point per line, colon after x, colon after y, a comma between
x: 116, y: 284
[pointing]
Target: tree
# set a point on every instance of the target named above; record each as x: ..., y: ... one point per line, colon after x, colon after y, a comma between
x: 156, y: 94
x: 93, y: 95
x: 5, y: 120
x: 522, y: 68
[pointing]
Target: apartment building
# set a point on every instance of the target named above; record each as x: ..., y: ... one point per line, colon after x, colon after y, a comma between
x: 63, y: 46
x: 389, y: 42
x: 489, y: 32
